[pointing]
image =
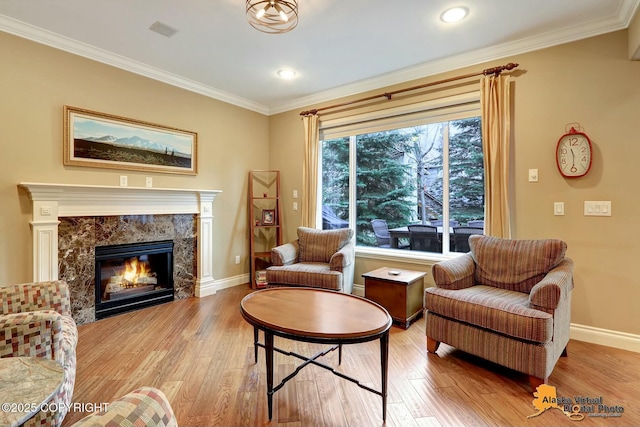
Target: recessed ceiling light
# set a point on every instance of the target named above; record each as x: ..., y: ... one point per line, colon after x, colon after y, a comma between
x: 454, y: 14
x: 286, y: 74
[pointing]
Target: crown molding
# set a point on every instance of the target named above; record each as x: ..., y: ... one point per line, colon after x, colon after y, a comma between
x: 48, y: 38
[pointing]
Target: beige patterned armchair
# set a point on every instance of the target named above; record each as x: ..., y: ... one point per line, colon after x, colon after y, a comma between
x: 319, y: 258
x: 145, y: 406
x: 507, y: 301
x: 36, y: 321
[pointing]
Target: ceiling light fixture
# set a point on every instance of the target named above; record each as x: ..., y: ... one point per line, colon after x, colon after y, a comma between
x: 454, y: 14
x: 272, y: 16
x: 286, y: 74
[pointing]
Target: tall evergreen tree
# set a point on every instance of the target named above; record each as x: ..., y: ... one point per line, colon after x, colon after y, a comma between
x: 466, y: 172
x: 384, y: 183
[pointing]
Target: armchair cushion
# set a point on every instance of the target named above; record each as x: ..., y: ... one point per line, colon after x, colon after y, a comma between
x: 320, y: 245
x: 314, y: 274
x: 500, y: 310
x: 516, y: 265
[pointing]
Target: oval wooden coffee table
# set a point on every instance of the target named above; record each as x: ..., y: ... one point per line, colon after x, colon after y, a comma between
x: 316, y: 316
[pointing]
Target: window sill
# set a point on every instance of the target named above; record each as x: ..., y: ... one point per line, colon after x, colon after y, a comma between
x: 399, y: 255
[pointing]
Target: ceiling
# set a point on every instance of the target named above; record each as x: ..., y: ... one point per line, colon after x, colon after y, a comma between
x: 339, y: 47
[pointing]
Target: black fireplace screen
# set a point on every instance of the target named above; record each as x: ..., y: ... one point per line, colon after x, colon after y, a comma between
x: 132, y: 276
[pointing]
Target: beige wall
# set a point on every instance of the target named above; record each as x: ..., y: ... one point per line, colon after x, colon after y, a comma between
x: 36, y: 81
x: 591, y: 82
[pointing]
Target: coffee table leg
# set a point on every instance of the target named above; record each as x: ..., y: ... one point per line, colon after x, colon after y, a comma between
x: 255, y: 343
x: 268, y: 349
x: 384, y: 363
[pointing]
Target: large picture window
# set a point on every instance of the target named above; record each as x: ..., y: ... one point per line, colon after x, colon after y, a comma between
x: 400, y: 187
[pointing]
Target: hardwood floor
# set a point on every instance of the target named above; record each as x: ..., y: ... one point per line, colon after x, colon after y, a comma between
x: 199, y: 351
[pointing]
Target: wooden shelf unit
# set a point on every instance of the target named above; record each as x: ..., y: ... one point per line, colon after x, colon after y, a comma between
x: 265, y: 220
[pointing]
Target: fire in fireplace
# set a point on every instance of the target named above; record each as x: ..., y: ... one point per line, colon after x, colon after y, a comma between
x: 133, y: 276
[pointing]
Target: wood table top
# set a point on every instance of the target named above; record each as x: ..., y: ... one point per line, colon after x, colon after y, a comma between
x: 315, y: 313
x: 403, y: 276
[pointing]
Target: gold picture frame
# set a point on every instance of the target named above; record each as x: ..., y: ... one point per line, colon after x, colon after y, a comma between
x: 100, y: 140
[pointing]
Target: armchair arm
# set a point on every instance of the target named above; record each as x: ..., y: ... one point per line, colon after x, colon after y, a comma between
x: 27, y: 297
x: 286, y: 254
x: 343, y: 258
x: 553, y: 288
x: 37, y: 333
x: 455, y: 273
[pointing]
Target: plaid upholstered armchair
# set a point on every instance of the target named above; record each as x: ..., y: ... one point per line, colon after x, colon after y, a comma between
x: 319, y: 258
x: 507, y: 301
x: 36, y: 321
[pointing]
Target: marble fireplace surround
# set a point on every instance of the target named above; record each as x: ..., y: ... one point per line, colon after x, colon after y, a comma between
x: 50, y: 202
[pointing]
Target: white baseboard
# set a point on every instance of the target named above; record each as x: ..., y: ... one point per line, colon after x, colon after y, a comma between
x: 230, y: 282
x: 358, y: 289
x: 615, y: 339
x: 203, y: 290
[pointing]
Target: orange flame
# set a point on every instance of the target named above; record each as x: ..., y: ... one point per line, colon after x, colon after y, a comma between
x: 133, y: 270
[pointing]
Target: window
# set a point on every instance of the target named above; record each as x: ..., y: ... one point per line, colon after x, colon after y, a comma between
x: 429, y: 172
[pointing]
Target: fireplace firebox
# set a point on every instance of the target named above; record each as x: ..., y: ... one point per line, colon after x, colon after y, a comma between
x: 133, y: 276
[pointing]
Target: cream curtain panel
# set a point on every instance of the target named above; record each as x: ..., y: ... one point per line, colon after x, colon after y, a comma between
x: 496, y: 131
x: 309, y: 206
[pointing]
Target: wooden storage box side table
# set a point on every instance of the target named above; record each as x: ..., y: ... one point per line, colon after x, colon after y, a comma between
x: 401, y: 295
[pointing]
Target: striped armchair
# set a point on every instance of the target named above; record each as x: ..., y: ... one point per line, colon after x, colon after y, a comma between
x: 36, y: 321
x: 319, y: 259
x: 507, y: 301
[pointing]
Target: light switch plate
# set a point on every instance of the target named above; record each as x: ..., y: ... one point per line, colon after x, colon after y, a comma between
x: 558, y: 208
x: 597, y: 208
x: 123, y: 181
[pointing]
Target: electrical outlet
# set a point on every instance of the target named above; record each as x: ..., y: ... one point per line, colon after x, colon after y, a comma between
x: 533, y: 175
x: 237, y: 259
x: 295, y: 194
x: 149, y: 182
x: 295, y: 206
x: 123, y: 181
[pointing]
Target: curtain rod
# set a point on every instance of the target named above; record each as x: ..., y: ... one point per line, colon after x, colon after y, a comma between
x: 495, y: 71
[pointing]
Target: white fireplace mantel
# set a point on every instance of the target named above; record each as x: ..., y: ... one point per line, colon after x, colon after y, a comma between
x: 52, y: 201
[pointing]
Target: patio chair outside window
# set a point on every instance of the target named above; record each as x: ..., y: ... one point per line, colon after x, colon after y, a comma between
x: 424, y: 238
x: 461, y: 237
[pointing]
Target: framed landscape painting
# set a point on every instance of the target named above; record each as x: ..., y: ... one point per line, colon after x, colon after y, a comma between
x: 105, y: 141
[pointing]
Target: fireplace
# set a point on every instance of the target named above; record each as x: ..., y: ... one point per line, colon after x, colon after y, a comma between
x: 132, y: 276
x: 69, y: 221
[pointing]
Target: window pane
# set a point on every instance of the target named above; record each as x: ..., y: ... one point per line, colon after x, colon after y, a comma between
x: 466, y: 180
x: 335, y: 183
x: 384, y: 184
